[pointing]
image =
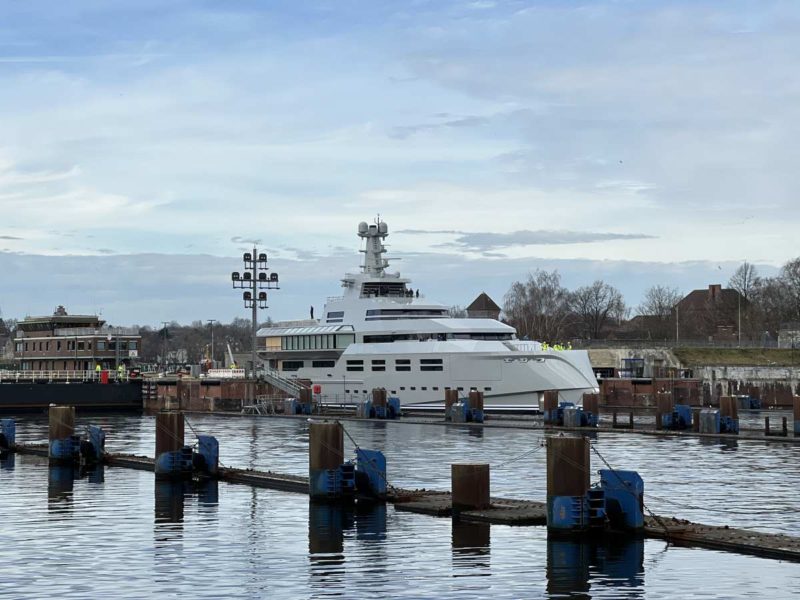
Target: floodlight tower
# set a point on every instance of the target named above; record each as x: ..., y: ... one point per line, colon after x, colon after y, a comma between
x: 254, y: 279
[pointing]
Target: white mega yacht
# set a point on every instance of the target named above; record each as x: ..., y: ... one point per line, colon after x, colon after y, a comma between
x: 381, y: 333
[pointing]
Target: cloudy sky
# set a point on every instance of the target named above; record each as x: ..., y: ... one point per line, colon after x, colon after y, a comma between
x: 143, y: 143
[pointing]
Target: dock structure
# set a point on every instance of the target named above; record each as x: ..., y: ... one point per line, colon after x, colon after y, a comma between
x: 503, y: 511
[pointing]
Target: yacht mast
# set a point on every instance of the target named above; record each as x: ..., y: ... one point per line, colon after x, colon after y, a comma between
x: 374, y: 264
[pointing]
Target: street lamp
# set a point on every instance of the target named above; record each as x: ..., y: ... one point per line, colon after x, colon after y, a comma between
x: 211, y: 322
x: 254, y: 279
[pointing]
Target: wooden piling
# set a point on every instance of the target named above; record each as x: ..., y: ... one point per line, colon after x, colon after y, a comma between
x: 550, y: 400
x: 169, y: 432
x: 325, y: 445
x: 630, y: 420
x: 796, y: 414
x: 567, y: 466
x: 378, y: 397
x: 664, y: 406
x: 305, y: 395
x: 470, y: 486
x: 450, y: 398
x: 591, y: 403
x: 785, y: 426
x: 475, y: 400
x: 61, y: 422
x: 614, y: 419
x: 766, y: 425
x: 728, y: 407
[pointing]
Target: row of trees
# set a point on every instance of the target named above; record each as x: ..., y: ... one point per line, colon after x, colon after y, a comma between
x: 192, y: 343
x: 542, y: 308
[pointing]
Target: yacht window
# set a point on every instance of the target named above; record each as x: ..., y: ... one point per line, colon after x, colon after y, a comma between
x: 435, y: 388
x: 413, y: 388
x: 337, y: 314
x: 461, y: 389
x: 323, y: 364
x: 379, y: 365
x: 394, y: 391
x: 344, y: 340
x: 402, y: 389
x: 291, y: 365
x: 431, y: 364
x: 487, y: 389
x: 424, y: 389
x: 378, y: 339
x: 402, y: 364
x: 355, y: 365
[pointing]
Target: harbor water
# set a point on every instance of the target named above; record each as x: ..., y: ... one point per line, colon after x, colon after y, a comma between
x: 115, y: 532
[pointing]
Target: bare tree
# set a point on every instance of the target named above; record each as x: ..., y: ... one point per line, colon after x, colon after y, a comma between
x: 457, y: 312
x: 744, y: 280
x: 538, y: 307
x: 772, y: 305
x: 790, y: 274
x: 659, y: 301
x: 595, y: 305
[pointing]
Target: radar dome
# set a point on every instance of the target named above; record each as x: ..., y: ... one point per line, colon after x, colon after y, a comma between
x: 383, y: 227
x: 362, y: 227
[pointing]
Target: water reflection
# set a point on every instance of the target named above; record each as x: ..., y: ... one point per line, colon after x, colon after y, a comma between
x: 60, y: 483
x: 471, y: 543
x: 327, y: 526
x: 169, y: 501
x: 609, y: 563
x: 722, y: 444
x: 7, y: 461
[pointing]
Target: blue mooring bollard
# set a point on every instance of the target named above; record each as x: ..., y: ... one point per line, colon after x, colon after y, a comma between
x: 206, y: 459
x: 371, y: 472
x: 624, y: 498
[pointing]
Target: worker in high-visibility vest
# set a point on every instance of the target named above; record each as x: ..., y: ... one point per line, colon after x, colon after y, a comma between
x: 98, y: 368
x: 121, y: 371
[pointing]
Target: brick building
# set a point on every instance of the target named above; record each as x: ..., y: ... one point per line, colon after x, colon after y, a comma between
x: 73, y: 343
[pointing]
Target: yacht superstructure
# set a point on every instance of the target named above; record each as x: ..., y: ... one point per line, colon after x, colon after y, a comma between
x: 382, y: 333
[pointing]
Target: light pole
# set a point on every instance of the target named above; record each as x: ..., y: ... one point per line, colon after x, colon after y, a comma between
x: 254, y: 279
x: 164, y: 352
x: 211, y: 322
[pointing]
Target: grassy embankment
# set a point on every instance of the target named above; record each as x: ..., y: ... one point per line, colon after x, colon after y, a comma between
x: 738, y: 357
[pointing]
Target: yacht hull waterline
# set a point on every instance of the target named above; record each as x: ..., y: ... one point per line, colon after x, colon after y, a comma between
x: 383, y: 333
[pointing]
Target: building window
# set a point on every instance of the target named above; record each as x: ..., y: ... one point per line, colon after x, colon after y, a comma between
x: 133, y: 345
x: 402, y: 364
x: 379, y: 365
x: 101, y: 345
x: 323, y: 364
x: 58, y: 346
x: 81, y: 345
x: 355, y: 365
x: 89, y: 345
x: 26, y: 345
x: 47, y: 346
x: 431, y: 364
x: 291, y: 365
